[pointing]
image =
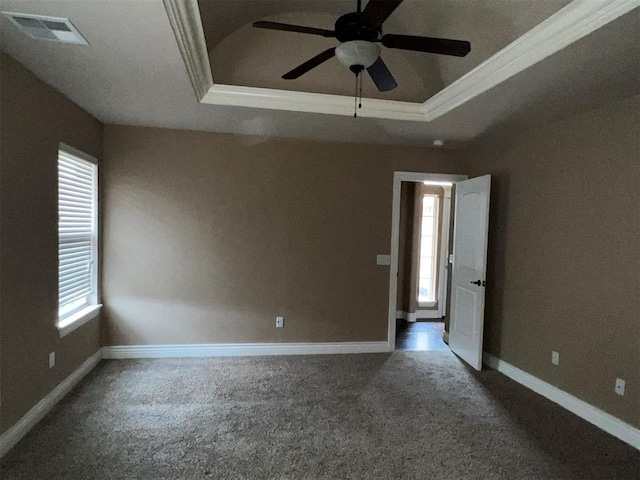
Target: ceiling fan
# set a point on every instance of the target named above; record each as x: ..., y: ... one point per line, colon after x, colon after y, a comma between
x: 359, y: 33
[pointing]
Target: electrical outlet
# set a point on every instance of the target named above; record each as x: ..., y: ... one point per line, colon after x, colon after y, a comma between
x: 52, y: 359
x: 555, y: 358
x: 279, y: 322
x: 620, y: 386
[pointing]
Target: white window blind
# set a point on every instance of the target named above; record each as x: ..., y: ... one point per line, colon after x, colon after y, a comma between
x: 77, y: 233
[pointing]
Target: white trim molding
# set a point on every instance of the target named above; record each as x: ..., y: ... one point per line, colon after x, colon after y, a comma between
x: 12, y: 436
x: 273, y: 99
x: 184, y: 16
x: 74, y: 152
x: 591, y: 414
x: 445, y: 337
x: 76, y: 320
x: 401, y: 315
x: 423, y: 314
x: 571, y: 23
x: 240, y: 349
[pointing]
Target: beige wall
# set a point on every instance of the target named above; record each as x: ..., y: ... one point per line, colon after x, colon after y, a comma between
x: 207, y: 237
x: 34, y: 119
x: 564, y: 256
x: 405, y: 245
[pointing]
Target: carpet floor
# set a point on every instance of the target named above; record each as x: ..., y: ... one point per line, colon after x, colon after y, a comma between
x: 406, y: 415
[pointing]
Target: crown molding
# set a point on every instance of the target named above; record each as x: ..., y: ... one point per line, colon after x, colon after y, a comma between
x: 184, y: 17
x: 311, y: 102
x: 573, y: 22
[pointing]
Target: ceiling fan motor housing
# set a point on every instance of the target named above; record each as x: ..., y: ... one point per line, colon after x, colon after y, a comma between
x: 357, y: 50
x: 352, y: 27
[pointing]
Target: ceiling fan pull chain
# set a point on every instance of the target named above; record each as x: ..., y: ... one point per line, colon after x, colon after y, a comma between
x: 355, y: 99
x: 360, y: 104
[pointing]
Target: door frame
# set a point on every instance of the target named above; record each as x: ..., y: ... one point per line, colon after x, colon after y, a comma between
x: 398, y: 178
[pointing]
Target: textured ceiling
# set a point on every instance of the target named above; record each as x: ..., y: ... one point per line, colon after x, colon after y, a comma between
x: 132, y: 73
x: 242, y: 55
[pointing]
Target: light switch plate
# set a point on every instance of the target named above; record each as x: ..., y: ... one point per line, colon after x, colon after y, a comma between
x: 279, y: 322
x: 620, y: 386
x: 383, y: 259
x: 52, y: 359
x: 555, y: 358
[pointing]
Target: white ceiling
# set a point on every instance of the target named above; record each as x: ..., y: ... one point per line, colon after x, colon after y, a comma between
x: 132, y: 73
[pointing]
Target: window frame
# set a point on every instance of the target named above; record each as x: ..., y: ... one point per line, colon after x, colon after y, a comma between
x: 90, y: 308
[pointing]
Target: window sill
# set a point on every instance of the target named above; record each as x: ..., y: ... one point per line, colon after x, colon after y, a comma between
x: 428, y: 304
x: 77, y: 319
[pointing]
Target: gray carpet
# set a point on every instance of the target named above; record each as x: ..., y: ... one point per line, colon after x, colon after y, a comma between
x: 407, y: 415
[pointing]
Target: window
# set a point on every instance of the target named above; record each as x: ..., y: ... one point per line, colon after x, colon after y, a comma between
x: 77, y: 238
x: 428, y: 249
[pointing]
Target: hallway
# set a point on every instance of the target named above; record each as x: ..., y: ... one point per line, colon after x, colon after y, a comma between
x: 420, y: 336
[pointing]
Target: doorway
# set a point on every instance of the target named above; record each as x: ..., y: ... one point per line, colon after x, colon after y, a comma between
x: 468, y: 263
x: 423, y: 264
x: 419, y: 259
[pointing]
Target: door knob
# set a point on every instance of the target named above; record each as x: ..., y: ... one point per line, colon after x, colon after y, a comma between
x: 477, y: 282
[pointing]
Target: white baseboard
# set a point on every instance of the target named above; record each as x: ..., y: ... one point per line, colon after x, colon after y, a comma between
x: 445, y: 337
x: 240, y: 349
x: 401, y: 314
x: 591, y: 414
x: 422, y: 314
x: 33, y: 416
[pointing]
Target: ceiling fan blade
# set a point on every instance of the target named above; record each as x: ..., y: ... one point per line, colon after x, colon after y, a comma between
x: 294, y: 28
x: 381, y: 76
x: 442, y: 46
x: 377, y: 11
x: 310, y: 64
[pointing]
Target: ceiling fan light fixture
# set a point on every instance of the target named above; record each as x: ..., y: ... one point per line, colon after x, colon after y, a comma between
x: 359, y: 33
x: 358, y: 52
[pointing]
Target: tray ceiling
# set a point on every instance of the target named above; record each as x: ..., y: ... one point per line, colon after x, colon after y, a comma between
x: 245, y: 56
x: 134, y: 72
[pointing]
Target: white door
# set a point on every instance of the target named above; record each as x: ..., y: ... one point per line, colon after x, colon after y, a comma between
x: 470, y: 235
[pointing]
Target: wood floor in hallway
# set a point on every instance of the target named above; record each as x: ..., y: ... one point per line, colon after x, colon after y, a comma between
x: 420, y: 336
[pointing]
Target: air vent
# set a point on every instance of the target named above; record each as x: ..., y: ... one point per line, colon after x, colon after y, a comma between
x: 46, y: 28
